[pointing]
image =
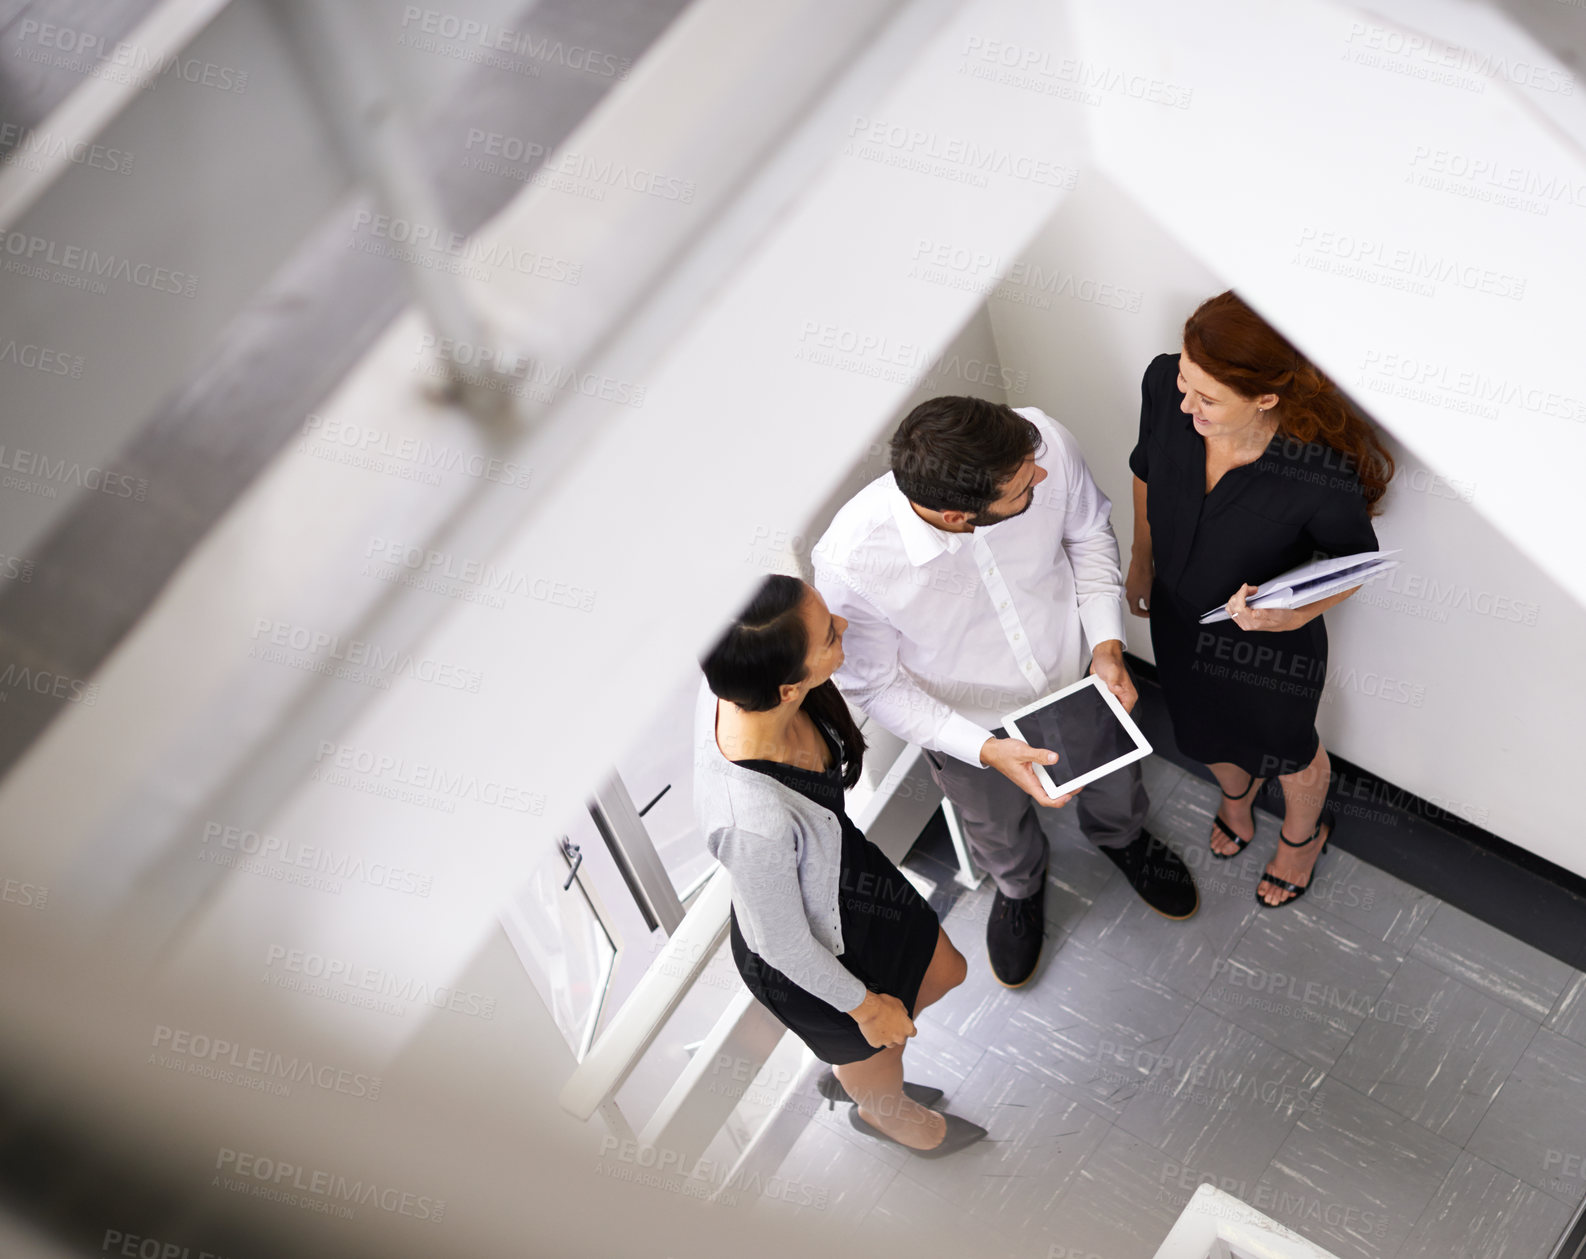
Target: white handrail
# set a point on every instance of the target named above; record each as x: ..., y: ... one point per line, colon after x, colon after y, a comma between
x: 92, y: 106
x: 1216, y: 1225
x: 642, y: 1016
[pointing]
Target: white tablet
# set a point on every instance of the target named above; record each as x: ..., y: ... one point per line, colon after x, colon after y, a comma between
x: 1088, y: 729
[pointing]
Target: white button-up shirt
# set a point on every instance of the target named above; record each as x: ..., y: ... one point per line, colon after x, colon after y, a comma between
x: 949, y: 632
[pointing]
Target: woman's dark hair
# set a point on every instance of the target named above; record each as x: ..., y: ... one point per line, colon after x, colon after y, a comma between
x: 1236, y: 347
x: 765, y: 648
x: 955, y: 454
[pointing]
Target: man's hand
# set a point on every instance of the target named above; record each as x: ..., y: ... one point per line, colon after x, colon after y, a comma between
x: 1106, y: 662
x: 1013, y: 759
x: 883, y: 1020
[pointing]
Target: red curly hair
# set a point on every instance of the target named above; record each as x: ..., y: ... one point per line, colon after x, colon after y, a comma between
x: 1235, y: 346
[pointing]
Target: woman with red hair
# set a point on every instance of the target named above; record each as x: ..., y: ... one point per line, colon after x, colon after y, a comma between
x: 1249, y: 463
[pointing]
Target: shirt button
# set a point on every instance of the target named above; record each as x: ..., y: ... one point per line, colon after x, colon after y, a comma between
x: 1016, y: 638
x: 1003, y: 604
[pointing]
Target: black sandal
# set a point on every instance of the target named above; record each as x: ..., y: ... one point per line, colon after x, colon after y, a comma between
x: 1224, y: 828
x: 1295, y: 890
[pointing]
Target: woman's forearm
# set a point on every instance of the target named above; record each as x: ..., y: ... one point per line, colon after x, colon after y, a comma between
x: 1311, y: 611
x: 1140, y: 550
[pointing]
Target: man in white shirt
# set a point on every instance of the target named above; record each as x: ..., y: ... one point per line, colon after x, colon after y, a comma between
x: 972, y: 577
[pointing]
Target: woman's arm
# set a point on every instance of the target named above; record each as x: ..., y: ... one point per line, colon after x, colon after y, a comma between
x: 1249, y: 618
x: 1137, y: 585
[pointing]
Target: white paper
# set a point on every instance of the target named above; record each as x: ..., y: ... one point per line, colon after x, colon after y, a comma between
x: 1310, y: 583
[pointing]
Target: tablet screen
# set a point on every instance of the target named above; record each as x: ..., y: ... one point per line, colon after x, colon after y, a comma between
x: 1081, y: 728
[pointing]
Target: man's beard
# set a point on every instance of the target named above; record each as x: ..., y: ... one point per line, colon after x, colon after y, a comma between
x: 983, y: 518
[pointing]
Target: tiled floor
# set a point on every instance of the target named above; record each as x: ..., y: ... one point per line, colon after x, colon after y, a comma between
x: 1371, y: 1067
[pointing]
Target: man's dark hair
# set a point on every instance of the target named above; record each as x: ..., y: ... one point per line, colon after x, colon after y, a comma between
x: 956, y: 454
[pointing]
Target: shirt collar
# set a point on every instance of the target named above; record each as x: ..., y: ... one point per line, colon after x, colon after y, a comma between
x: 922, y: 541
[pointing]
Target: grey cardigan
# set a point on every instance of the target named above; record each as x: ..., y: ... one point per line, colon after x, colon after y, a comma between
x: 784, y: 853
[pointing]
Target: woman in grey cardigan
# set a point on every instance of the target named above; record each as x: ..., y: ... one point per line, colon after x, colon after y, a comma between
x: 826, y: 932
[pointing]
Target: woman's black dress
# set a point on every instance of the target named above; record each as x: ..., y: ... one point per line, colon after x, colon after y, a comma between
x: 889, y: 931
x: 1247, y: 697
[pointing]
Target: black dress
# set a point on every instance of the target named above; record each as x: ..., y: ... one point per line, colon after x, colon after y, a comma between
x: 1249, y: 698
x: 889, y: 931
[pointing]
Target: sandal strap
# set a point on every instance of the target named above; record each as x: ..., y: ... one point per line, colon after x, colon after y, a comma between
x: 1242, y: 794
x: 1293, y: 889
x: 1326, y: 820
x: 1226, y: 830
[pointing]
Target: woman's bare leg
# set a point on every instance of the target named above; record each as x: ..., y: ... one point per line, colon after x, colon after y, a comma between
x: 946, y: 971
x: 1304, y: 793
x: 1238, y: 814
x: 876, y: 1083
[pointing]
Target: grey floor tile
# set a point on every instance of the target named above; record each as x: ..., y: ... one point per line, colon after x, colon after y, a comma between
x: 1079, y: 1014
x: 1186, y: 815
x: 1536, y: 1127
x: 1162, y: 778
x: 1435, y: 1050
x: 822, y: 1175
x: 1301, y: 980
x: 1219, y: 1100
x: 1483, y: 1213
x: 1077, y: 871
x: 1186, y: 823
x: 1037, y: 1139
x: 979, y: 1007
x: 1354, y: 1177
x: 911, y: 1219
x: 939, y: 1056
x: 1348, y: 888
x: 1373, y: 900
x: 1121, y: 1204
x: 1569, y: 1011
x: 1181, y: 955
x: 1498, y: 964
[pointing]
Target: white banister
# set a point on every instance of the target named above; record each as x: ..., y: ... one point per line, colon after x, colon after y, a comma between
x: 1216, y: 1225
x: 98, y: 100
x: 642, y: 1016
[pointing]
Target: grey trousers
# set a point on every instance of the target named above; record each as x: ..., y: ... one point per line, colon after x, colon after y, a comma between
x: 1002, y: 825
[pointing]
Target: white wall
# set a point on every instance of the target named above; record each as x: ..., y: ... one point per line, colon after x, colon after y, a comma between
x: 1459, y: 678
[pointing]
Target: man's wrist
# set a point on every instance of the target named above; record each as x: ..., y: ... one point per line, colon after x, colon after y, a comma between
x: 1112, y: 648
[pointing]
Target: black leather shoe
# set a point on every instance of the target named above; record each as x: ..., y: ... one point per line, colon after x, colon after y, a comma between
x: 1013, y: 936
x: 1155, y: 871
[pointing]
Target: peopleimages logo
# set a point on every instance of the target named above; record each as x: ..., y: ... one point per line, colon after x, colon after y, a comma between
x: 328, y: 976
x: 286, y: 1182
x: 425, y: 776
x: 435, y: 30
x: 139, y: 1246
x: 82, y: 267
x: 28, y: 147
x: 197, y: 1053
x: 263, y: 853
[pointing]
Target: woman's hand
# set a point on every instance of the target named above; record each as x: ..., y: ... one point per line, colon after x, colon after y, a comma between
x: 1137, y: 587
x: 883, y: 1020
x: 1248, y: 618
